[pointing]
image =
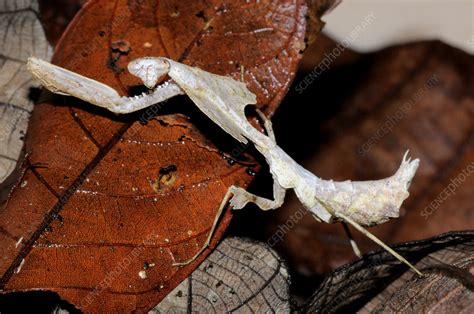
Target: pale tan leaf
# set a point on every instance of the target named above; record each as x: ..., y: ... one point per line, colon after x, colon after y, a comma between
x: 21, y: 36
x: 240, y: 276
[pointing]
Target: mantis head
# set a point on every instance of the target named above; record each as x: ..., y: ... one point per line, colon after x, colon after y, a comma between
x: 149, y: 69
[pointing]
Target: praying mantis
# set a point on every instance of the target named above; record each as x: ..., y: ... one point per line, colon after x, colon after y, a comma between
x: 223, y: 99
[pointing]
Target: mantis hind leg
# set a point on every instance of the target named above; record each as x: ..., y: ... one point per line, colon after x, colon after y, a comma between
x: 239, y: 199
x: 372, y: 237
x: 353, y: 243
x: 379, y: 242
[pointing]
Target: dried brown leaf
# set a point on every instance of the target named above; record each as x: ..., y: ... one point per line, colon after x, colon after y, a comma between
x: 377, y: 284
x: 101, y: 201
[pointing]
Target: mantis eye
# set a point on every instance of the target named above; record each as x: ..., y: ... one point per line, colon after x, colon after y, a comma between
x: 149, y: 70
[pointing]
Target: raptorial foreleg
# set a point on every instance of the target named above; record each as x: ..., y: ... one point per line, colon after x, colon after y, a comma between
x: 65, y: 82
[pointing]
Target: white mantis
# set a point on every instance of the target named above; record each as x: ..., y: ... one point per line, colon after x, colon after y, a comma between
x: 223, y: 100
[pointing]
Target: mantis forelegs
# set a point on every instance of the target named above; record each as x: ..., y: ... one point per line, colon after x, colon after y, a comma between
x: 65, y: 82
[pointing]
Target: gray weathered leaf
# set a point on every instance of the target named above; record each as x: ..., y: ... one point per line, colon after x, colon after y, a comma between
x: 239, y: 276
x: 21, y: 36
x: 446, y: 288
x: 379, y: 284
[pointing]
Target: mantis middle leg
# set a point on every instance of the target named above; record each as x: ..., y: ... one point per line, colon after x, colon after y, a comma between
x: 239, y: 197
